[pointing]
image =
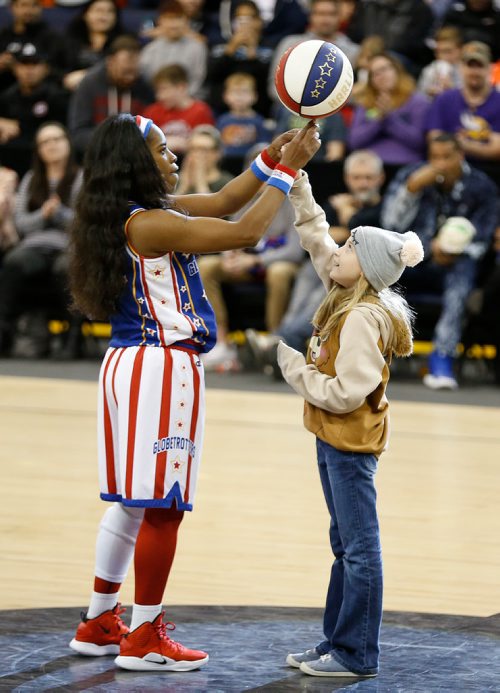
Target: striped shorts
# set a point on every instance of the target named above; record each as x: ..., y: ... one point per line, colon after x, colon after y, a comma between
x: 151, y: 413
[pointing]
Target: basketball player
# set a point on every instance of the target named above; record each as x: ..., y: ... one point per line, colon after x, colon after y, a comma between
x: 133, y: 261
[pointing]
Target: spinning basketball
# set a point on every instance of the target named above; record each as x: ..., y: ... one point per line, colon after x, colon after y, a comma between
x: 314, y: 79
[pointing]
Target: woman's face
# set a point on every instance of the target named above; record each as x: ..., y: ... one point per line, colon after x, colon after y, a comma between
x: 383, y: 74
x: 101, y: 16
x: 165, y: 159
x: 52, y: 144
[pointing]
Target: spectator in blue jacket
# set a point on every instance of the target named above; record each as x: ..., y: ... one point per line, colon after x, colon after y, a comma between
x: 424, y: 197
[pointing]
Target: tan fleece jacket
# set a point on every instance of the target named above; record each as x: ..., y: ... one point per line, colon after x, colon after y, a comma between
x: 345, y: 377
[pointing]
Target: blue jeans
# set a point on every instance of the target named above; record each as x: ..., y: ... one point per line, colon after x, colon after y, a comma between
x: 353, y: 611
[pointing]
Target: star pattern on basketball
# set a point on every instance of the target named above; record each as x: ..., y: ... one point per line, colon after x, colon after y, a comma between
x: 326, y: 69
x: 320, y: 83
x: 315, y: 94
x: 331, y: 56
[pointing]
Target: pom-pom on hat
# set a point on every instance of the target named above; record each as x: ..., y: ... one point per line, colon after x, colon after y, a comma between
x: 383, y: 254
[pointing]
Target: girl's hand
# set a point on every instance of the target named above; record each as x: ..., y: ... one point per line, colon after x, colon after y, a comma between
x: 302, y: 147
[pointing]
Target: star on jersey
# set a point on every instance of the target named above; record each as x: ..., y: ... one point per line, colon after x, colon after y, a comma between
x: 164, y: 301
x: 157, y: 271
x: 182, y: 404
x: 150, y: 331
x: 184, y: 288
x: 204, y: 295
x: 180, y: 425
x: 326, y: 69
x: 141, y: 300
x: 186, y: 255
x: 177, y: 464
x: 196, y: 322
x: 186, y: 306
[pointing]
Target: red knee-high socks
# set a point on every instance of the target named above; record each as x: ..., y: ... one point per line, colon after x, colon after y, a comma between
x: 154, y: 553
x: 105, y: 587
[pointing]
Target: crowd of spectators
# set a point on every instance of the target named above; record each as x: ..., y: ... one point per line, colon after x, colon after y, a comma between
x: 416, y: 146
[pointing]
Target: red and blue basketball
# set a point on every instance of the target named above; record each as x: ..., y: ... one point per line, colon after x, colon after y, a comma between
x: 314, y: 79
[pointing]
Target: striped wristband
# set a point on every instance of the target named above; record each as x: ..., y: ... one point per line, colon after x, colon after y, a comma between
x: 263, y: 166
x: 282, y: 178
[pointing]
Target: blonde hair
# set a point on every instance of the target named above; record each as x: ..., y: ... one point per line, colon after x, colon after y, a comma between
x: 405, y: 85
x: 240, y: 79
x: 339, y: 301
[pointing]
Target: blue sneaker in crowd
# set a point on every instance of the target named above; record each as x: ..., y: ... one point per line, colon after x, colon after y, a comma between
x: 327, y: 665
x: 440, y: 375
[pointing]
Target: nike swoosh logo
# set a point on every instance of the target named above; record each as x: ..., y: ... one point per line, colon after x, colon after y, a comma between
x: 105, y: 630
x: 157, y: 658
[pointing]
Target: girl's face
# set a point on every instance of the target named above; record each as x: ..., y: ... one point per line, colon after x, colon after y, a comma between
x: 52, y: 144
x: 101, y: 16
x: 383, y: 74
x: 165, y: 159
x: 344, y: 267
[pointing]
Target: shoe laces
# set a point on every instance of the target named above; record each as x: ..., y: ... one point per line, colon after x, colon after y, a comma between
x: 119, y: 610
x: 162, y: 629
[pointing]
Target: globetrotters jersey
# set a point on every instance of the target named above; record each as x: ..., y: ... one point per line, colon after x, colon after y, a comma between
x: 163, y: 302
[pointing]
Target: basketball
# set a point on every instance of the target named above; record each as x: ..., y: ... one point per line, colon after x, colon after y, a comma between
x: 314, y: 79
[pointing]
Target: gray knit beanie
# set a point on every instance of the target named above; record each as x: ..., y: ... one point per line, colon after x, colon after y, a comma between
x: 383, y: 254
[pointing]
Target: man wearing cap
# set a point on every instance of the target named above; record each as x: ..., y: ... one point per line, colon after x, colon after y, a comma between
x: 35, y: 98
x: 472, y: 113
x: 452, y: 208
x: 27, y: 26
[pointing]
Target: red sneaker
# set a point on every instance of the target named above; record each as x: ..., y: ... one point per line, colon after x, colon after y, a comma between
x: 148, y: 648
x: 100, y: 635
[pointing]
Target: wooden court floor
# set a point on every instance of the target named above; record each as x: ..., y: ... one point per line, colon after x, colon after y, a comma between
x: 259, y: 533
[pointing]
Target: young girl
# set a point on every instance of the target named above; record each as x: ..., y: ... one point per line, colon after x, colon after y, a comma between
x: 133, y: 261
x: 358, y: 327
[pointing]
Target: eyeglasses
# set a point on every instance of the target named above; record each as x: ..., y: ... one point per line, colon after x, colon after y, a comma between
x: 48, y: 140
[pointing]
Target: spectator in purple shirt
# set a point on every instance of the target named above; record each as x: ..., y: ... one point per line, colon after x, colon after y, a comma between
x: 390, y: 114
x: 471, y: 113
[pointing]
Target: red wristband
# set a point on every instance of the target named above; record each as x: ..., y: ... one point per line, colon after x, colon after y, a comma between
x: 268, y: 159
x: 285, y: 169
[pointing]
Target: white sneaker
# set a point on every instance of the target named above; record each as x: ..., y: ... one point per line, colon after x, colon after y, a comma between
x: 262, y: 346
x: 223, y: 357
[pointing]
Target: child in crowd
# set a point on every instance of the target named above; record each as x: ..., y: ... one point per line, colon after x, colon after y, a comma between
x: 200, y: 171
x: 359, y: 326
x: 444, y: 72
x: 174, y: 110
x: 241, y: 127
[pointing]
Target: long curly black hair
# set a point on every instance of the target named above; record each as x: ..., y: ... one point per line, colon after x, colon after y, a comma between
x: 118, y: 169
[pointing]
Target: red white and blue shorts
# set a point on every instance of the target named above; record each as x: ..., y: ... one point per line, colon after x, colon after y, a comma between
x: 151, y: 414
